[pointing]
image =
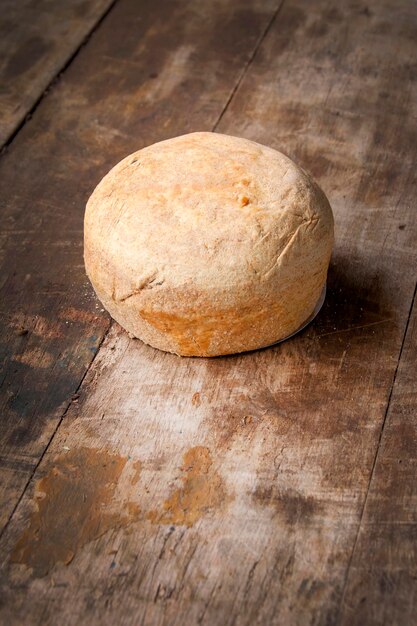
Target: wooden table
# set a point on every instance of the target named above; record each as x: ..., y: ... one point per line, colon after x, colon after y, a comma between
x: 276, y: 487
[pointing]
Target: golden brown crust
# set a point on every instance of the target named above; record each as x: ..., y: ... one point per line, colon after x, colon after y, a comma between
x: 208, y: 244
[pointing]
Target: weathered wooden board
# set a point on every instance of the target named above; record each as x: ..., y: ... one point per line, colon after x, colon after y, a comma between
x: 172, y: 70
x: 382, y: 583
x: 230, y: 491
x: 37, y: 38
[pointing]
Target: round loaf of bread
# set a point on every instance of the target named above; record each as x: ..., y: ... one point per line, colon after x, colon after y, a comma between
x: 207, y: 244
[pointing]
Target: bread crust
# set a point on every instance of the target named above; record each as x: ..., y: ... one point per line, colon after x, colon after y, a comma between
x: 207, y: 244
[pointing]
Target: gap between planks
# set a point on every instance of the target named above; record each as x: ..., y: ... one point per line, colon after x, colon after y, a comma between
x: 35, y: 468
x: 249, y: 63
x: 56, y: 77
x: 374, y: 463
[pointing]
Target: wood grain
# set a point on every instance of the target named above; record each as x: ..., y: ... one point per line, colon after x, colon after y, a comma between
x: 171, y: 71
x: 37, y: 40
x: 234, y: 488
x: 381, y: 586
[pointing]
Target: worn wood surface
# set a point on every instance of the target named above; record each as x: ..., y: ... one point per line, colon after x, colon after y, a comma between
x: 37, y: 38
x: 381, y: 586
x: 264, y: 488
x: 164, y: 77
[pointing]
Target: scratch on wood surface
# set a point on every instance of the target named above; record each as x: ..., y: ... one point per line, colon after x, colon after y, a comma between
x: 71, y: 314
x: 202, y: 490
x: 346, y: 330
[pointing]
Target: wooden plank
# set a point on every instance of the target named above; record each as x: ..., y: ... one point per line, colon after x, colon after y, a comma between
x: 145, y: 75
x: 382, y: 583
x: 233, y: 488
x: 37, y: 40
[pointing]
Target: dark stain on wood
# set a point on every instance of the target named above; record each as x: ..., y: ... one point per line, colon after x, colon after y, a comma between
x: 332, y: 15
x: 318, y: 28
x: 27, y: 56
x: 21, y: 436
x: 289, y: 504
x: 73, y: 507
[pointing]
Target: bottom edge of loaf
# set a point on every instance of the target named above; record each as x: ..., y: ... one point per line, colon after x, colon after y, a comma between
x: 229, y: 351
